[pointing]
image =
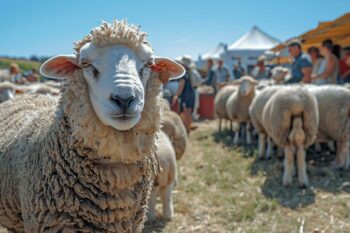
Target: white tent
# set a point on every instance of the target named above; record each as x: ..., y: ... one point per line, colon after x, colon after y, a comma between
x: 216, y: 52
x: 249, y: 47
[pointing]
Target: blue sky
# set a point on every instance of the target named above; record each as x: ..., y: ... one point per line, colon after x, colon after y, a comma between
x: 175, y: 27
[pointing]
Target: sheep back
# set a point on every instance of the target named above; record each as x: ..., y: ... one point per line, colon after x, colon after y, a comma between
x: 285, y: 105
x: 221, y: 99
x: 257, y: 106
x: 175, y: 129
x: 334, y: 109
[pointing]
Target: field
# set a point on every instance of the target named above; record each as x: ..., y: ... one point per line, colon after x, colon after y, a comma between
x: 24, y: 65
x: 226, y: 189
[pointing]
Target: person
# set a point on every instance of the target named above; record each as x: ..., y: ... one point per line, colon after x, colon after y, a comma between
x: 34, y: 76
x: 196, y: 81
x: 345, y: 66
x: 236, y: 72
x: 15, y: 74
x: 223, y: 74
x: 330, y: 71
x: 211, y: 79
x: 186, y: 94
x: 317, y: 62
x: 260, y: 71
x: 302, y: 66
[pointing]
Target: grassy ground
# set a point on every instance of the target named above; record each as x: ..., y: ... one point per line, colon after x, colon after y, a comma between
x: 24, y: 65
x: 226, y: 189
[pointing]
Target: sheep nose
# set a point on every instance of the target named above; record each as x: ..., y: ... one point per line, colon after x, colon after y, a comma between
x: 122, y: 102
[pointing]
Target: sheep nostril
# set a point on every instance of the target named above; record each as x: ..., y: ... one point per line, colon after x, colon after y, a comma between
x: 121, y: 101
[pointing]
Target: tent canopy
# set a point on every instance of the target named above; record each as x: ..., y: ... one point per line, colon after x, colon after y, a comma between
x: 216, y: 52
x: 255, y: 39
x: 338, y: 30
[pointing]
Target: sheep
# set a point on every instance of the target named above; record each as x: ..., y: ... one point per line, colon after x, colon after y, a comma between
x: 165, y: 105
x: 280, y: 74
x: 39, y: 88
x: 237, y: 105
x: 166, y: 180
x: 255, y: 111
x: 220, y: 102
x: 7, y: 91
x: 334, y: 109
x: 86, y: 162
x: 290, y: 118
x: 173, y: 126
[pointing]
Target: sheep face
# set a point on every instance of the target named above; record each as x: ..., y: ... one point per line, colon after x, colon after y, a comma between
x: 246, y: 87
x: 117, y: 79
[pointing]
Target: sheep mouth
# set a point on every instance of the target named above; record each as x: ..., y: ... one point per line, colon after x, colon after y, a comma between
x: 123, y: 116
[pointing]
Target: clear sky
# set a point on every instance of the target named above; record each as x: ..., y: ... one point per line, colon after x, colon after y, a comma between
x: 49, y: 27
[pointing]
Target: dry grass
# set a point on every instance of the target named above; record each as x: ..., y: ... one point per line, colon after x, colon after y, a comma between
x: 225, y: 189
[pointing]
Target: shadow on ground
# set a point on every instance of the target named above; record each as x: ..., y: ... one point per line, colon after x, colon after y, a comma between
x: 155, y: 226
x: 321, y: 176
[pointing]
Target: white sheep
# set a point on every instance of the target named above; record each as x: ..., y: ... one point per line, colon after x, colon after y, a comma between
x: 173, y: 126
x: 237, y: 105
x: 280, y: 75
x: 86, y: 162
x: 166, y: 180
x: 290, y: 117
x: 220, y: 102
x: 334, y: 109
x: 256, y: 112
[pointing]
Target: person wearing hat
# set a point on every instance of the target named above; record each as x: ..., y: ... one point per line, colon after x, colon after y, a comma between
x: 260, y: 71
x: 302, y: 66
x: 186, y: 94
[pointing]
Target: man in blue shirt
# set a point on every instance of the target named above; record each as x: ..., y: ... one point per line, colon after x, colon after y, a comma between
x: 302, y: 66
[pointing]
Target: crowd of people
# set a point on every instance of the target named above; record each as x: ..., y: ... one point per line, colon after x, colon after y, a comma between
x: 319, y: 66
x: 14, y: 75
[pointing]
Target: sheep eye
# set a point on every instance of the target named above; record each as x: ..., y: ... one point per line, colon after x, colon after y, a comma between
x: 85, y: 64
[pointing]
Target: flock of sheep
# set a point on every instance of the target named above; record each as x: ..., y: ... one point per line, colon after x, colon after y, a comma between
x: 88, y: 160
x: 293, y: 117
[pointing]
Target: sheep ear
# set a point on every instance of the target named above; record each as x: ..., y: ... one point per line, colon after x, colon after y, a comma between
x: 167, y: 69
x: 60, y: 66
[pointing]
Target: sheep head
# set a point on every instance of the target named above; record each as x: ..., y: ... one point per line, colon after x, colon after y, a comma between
x: 246, y: 85
x: 117, y: 62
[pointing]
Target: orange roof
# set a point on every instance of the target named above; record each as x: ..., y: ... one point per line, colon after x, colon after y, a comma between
x: 338, y: 30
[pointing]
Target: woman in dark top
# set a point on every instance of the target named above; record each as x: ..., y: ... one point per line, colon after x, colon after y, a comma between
x: 186, y: 95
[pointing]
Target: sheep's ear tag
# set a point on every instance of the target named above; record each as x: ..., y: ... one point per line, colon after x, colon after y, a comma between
x: 167, y: 69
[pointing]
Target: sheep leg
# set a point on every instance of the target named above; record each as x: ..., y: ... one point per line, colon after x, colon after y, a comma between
x: 262, y: 140
x: 231, y: 126
x: 236, y: 138
x: 331, y: 146
x: 167, y: 201
x: 341, y: 159
x: 318, y: 147
x: 288, y: 165
x: 151, y: 214
x: 248, y: 135
x: 269, y: 148
x: 220, y: 120
x: 302, y: 176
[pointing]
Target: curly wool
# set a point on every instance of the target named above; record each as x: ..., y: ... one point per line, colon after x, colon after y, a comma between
x: 117, y: 33
x: 285, y: 105
x: 176, y: 131
x: 52, y: 164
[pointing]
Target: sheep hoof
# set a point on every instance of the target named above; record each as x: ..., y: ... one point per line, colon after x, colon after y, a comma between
x: 287, y: 181
x: 303, y: 185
